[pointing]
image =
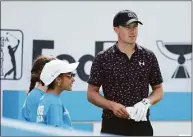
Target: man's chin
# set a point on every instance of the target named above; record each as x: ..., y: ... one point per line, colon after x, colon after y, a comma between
x: 130, y: 43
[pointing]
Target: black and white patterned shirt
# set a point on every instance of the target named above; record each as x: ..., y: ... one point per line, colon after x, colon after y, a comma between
x: 125, y: 80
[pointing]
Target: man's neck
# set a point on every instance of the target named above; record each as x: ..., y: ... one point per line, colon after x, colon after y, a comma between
x: 128, y: 49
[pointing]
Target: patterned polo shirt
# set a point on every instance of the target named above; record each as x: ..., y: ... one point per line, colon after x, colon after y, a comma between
x: 125, y: 80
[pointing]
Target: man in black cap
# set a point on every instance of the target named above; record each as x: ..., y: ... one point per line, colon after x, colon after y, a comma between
x: 125, y: 72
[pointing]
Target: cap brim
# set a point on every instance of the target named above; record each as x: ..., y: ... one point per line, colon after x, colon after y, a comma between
x: 133, y: 20
x: 71, y: 67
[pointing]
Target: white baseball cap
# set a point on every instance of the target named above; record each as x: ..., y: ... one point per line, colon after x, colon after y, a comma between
x: 54, y: 68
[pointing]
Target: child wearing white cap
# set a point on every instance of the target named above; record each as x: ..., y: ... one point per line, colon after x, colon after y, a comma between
x: 36, y: 89
x: 57, y: 76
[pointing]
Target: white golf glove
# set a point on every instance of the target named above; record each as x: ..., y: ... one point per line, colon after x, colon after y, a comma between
x: 131, y: 111
x: 141, y: 109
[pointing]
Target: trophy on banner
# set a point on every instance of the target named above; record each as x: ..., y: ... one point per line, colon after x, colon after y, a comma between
x: 178, y: 52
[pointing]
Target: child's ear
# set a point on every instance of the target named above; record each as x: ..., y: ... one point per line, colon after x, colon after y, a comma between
x: 58, y: 80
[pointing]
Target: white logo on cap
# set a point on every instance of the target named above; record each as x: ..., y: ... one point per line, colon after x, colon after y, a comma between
x: 54, y: 73
x: 132, y: 15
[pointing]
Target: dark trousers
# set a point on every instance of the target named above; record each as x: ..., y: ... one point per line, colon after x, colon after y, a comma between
x: 126, y: 127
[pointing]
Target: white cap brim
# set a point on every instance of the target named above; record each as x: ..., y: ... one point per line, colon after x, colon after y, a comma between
x: 70, y: 68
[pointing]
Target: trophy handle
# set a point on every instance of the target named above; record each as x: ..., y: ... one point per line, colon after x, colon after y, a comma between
x: 188, y: 56
x: 164, y: 51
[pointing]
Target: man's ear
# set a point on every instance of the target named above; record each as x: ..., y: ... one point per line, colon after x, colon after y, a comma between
x: 116, y: 29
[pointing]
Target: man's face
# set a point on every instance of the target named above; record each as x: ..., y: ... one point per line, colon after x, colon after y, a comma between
x: 127, y: 34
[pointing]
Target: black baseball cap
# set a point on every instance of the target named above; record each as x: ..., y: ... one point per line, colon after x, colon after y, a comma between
x: 124, y: 18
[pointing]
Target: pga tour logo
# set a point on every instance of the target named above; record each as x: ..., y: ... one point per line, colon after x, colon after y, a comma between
x: 11, y: 54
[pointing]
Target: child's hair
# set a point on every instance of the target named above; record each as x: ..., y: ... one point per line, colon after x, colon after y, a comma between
x: 36, y: 70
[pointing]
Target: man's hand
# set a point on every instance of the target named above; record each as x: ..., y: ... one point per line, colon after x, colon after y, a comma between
x: 119, y: 110
x: 141, y: 109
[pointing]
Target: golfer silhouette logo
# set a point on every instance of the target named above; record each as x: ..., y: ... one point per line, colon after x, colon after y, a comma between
x: 12, y: 51
x: 11, y: 47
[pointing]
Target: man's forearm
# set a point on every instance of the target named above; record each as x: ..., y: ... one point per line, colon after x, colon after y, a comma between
x: 98, y: 100
x: 156, y: 95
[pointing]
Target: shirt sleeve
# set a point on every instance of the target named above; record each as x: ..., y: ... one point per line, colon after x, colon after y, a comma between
x: 155, y: 76
x: 55, y: 116
x: 25, y: 111
x: 96, y: 73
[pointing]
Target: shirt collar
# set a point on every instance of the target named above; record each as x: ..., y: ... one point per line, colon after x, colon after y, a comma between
x: 116, y: 48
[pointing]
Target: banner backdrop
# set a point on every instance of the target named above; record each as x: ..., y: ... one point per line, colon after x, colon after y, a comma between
x: 76, y: 31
